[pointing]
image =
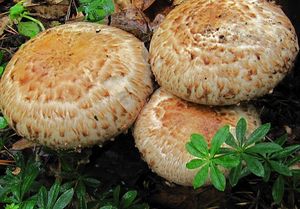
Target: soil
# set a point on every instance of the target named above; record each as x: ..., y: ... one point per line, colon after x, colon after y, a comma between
x: 119, y: 162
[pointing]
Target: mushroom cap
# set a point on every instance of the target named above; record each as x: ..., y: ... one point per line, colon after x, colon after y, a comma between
x: 166, y: 123
x: 223, y: 52
x: 76, y: 85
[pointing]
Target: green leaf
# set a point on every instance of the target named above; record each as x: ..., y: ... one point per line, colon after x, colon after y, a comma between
x: 217, y: 178
x: 264, y: 148
x: 16, y: 10
x: 281, y: 140
x: 258, y: 134
x: 128, y: 198
x: 231, y: 141
x: 42, y: 197
x: 201, y: 176
x: 195, y: 163
x: 241, y: 128
x: 287, y: 151
x: 199, y: 143
x: 1, y: 70
x: 108, y: 207
x: 254, y: 165
x: 193, y: 151
x: 218, y: 139
x: 278, y: 189
x: 64, y: 199
x: 82, y: 202
x: 29, y: 178
x: 29, y: 204
x: 53, y: 194
x: 29, y: 29
x: 92, y: 182
x: 3, y: 122
x: 1, y: 56
x: 116, y: 194
x: 280, y: 168
x: 227, y: 161
x: 267, y: 169
x: 96, y: 10
x: 235, y: 174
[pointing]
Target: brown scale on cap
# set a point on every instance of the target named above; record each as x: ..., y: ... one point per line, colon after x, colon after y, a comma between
x: 245, y: 47
x: 76, y: 85
x: 166, y: 124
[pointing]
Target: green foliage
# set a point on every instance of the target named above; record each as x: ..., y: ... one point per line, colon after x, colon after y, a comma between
x: 3, y: 122
x: 96, y: 10
x: 2, y: 64
x: 243, y: 156
x: 32, y: 27
x: 115, y: 199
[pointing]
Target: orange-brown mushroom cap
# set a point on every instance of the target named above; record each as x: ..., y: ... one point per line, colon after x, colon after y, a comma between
x: 221, y: 52
x: 76, y: 85
x: 166, y: 124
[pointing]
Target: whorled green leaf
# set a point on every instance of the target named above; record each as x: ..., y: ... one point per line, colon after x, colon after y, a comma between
x: 64, y: 199
x: 1, y: 70
x: 287, y: 151
x: 3, y: 122
x: 235, y: 174
x: 193, y: 151
x: 278, y: 189
x: 254, y: 165
x: 29, y: 29
x: 258, y: 134
x: 53, y: 194
x: 217, y: 177
x: 116, y: 194
x: 231, y: 141
x: 92, y: 182
x: 42, y: 197
x: 128, y: 198
x: 264, y: 148
x: 267, y: 169
x: 219, y: 138
x: 201, y: 176
x: 199, y: 143
x: 281, y: 140
x: 227, y: 161
x: 280, y: 168
x: 195, y: 163
x: 241, y: 128
x: 96, y: 10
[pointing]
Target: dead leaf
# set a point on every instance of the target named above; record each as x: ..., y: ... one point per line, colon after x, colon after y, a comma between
x: 54, y: 1
x: 122, y: 5
x: 23, y: 144
x: 142, y: 4
x: 177, y: 2
x: 3, y: 23
x: 16, y: 171
x: 132, y: 21
x: 50, y: 12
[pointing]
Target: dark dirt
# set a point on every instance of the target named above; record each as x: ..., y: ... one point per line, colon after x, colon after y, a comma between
x: 119, y: 162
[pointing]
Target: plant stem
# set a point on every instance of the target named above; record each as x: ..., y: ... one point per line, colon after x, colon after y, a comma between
x: 34, y: 20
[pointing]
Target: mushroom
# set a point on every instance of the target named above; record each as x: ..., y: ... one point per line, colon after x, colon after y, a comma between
x: 223, y: 52
x: 166, y: 123
x: 76, y: 85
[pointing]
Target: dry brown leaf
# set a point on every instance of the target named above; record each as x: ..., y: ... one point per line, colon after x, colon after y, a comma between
x: 50, y: 12
x: 23, y: 144
x: 122, y: 5
x: 3, y: 23
x: 132, y: 21
x: 54, y: 1
x: 142, y: 4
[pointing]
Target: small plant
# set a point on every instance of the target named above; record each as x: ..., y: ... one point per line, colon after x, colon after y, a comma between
x: 243, y: 155
x: 3, y: 122
x: 2, y: 64
x: 30, y: 28
x: 96, y: 10
x: 113, y: 199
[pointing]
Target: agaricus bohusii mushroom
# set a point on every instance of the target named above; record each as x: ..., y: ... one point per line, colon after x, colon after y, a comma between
x: 76, y: 85
x: 166, y: 123
x: 223, y: 52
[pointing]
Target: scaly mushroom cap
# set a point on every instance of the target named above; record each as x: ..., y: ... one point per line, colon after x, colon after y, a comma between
x: 166, y: 124
x: 221, y: 52
x: 76, y: 85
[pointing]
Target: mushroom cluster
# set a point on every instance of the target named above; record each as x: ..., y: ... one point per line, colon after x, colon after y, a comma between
x: 211, y: 53
x: 76, y: 85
